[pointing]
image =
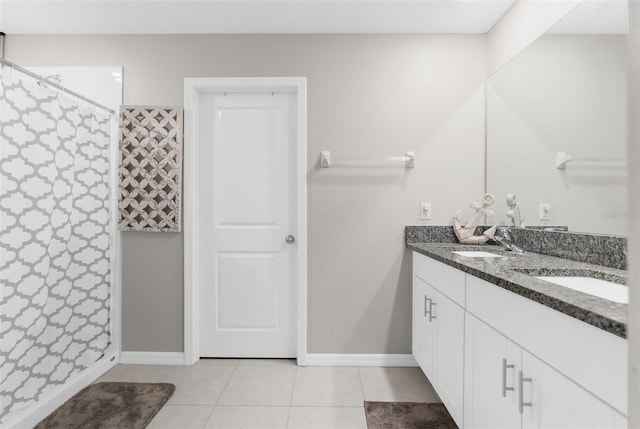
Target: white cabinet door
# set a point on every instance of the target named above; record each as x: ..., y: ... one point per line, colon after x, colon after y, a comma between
x: 491, y: 365
x: 557, y: 402
x: 448, y: 352
x: 438, y: 343
x: 621, y: 422
x: 422, y: 336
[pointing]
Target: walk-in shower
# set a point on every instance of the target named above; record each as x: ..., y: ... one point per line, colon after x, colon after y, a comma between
x: 56, y: 237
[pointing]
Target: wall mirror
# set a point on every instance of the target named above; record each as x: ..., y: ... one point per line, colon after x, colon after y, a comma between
x: 566, y: 93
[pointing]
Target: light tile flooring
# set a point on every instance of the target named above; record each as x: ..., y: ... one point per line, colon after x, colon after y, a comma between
x: 273, y: 394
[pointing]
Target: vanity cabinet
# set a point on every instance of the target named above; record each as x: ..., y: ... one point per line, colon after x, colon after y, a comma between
x: 508, y: 387
x: 438, y: 338
x: 594, y: 359
x: 499, y: 360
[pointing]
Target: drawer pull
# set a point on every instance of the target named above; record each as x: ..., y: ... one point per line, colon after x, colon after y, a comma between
x: 427, y: 307
x: 521, y: 403
x: 505, y: 367
x: 431, y: 305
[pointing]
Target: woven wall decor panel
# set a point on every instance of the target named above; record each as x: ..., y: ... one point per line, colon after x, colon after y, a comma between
x: 150, y: 168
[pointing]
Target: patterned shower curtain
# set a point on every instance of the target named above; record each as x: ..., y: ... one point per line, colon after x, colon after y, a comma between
x: 54, y: 239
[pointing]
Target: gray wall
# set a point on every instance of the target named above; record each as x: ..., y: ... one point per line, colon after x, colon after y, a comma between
x: 367, y: 95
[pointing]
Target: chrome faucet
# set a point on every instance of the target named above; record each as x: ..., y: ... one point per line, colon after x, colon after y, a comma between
x: 503, y: 238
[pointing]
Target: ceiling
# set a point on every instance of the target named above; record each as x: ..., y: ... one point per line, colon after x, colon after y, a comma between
x: 249, y: 16
x: 595, y: 17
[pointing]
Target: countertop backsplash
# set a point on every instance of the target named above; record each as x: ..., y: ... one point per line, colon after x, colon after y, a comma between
x: 604, y: 250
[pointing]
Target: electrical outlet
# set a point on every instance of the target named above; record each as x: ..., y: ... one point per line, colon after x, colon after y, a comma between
x: 545, y: 211
x: 425, y: 211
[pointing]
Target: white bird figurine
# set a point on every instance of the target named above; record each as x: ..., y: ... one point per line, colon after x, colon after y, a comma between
x: 465, y: 233
x: 514, y: 211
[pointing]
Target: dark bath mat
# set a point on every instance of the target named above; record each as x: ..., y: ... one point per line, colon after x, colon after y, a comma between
x: 110, y: 406
x: 407, y: 415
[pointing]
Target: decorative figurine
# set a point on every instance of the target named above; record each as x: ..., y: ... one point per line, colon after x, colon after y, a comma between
x: 514, y: 211
x: 465, y: 233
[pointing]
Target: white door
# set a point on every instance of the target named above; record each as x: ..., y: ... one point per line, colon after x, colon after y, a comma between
x: 247, y: 147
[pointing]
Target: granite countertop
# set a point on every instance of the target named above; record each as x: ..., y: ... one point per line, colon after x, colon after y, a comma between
x: 599, y: 312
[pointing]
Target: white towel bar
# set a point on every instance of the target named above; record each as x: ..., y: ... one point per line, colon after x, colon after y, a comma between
x: 562, y: 159
x: 326, y: 161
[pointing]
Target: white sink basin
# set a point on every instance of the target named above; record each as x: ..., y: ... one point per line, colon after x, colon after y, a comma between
x: 604, y: 289
x: 476, y: 254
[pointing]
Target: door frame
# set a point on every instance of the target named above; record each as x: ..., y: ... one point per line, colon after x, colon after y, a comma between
x: 193, y: 87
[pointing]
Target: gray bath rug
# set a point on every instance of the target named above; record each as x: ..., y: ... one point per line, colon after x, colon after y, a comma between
x: 110, y: 406
x: 407, y: 415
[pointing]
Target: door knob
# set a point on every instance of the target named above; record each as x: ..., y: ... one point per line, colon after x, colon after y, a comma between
x: 290, y: 239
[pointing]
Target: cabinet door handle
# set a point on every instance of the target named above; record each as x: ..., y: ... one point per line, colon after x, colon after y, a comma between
x: 521, y: 404
x: 427, y: 306
x: 505, y: 366
x: 431, y: 305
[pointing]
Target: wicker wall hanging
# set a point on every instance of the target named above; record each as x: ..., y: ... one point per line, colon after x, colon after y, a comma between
x: 150, y: 168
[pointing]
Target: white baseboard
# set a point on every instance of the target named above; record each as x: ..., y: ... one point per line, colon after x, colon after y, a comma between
x: 31, y: 416
x: 152, y: 358
x: 325, y: 359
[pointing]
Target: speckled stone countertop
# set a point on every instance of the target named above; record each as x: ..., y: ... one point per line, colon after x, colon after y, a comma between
x: 515, y: 272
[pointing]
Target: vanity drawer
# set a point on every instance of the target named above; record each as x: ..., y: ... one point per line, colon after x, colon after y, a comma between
x: 591, y: 357
x: 447, y: 280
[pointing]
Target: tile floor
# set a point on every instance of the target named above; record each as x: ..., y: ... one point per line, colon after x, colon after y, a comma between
x: 273, y: 394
